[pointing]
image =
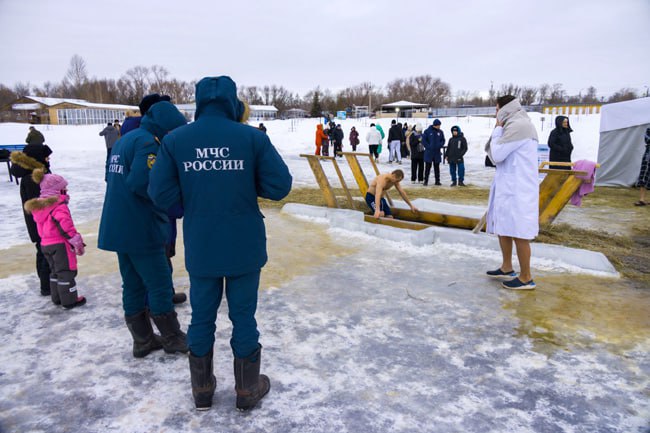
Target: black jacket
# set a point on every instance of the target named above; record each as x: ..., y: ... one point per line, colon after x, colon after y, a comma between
x: 22, y: 167
x: 414, y: 140
x: 559, y: 142
x: 395, y: 133
x: 456, y: 148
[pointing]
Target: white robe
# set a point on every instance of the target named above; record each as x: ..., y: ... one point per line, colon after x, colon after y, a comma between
x: 513, y: 207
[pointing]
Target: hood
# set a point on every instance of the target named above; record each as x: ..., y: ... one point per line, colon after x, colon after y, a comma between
x: 457, y: 128
x: 559, y: 120
x: 218, y: 95
x: 162, y: 118
x: 37, y: 204
x: 319, y: 126
x: 26, y: 161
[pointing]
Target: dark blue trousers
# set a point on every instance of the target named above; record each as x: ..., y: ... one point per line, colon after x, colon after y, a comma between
x: 205, y: 297
x: 146, y: 275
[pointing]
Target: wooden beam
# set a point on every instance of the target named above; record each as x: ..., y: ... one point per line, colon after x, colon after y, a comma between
x: 433, y: 218
x: 343, y: 184
x: 393, y: 222
x: 559, y: 200
x: 321, y: 178
x: 357, y: 171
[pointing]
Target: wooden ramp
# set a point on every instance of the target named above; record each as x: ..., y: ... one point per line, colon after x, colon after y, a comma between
x: 557, y: 188
x: 555, y: 191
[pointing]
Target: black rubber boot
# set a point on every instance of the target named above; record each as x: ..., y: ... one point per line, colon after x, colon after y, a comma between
x: 144, y: 340
x: 203, y: 381
x: 250, y: 385
x: 173, y: 339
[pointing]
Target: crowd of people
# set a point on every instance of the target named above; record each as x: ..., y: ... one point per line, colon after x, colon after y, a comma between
x: 156, y: 173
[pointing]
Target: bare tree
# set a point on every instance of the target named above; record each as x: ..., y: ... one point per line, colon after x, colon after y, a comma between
x: 624, y: 94
x: 77, y: 74
x: 557, y: 95
x: 528, y: 95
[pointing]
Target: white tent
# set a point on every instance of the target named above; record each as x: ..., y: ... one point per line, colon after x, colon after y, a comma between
x: 622, y: 128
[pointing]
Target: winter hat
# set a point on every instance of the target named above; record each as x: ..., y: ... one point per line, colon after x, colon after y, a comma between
x: 437, y: 122
x: 51, y: 184
x: 38, y: 151
x: 151, y: 99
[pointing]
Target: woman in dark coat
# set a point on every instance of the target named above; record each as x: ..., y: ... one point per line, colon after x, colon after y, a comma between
x: 559, y: 142
x: 354, y: 139
x: 23, y: 164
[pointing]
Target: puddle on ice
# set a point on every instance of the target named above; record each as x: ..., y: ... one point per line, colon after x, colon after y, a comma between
x: 576, y: 310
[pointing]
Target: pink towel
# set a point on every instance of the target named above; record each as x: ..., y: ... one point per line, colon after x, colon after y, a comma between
x: 588, y: 185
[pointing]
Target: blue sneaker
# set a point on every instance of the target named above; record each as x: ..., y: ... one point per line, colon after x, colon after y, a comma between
x: 517, y: 284
x: 498, y: 273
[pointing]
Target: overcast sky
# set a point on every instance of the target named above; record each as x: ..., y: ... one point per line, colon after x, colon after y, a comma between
x: 337, y: 43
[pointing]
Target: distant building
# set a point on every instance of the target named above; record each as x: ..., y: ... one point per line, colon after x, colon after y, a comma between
x: 403, y: 109
x: 188, y: 110
x: 60, y: 111
x: 263, y: 112
x: 359, y: 111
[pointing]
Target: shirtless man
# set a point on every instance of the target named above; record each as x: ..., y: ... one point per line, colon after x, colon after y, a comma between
x: 382, y: 183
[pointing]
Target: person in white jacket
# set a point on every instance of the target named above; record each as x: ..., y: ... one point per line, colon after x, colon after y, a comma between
x: 513, y: 207
x: 373, y: 137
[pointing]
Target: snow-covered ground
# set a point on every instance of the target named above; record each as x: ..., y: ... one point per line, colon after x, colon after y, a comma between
x: 360, y: 334
x: 79, y: 154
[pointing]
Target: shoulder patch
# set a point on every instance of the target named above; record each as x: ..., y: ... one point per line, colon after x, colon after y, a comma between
x: 151, y: 160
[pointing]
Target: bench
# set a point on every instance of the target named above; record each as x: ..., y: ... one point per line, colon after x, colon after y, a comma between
x: 7, y: 159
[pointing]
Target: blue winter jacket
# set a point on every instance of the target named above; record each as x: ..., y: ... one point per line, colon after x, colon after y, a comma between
x: 130, y: 222
x: 218, y: 167
x: 433, y: 139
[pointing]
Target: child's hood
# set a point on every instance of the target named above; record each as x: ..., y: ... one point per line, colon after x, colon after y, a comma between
x: 41, y: 207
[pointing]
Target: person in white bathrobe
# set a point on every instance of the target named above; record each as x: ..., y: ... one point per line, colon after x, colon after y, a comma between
x: 513, y: 208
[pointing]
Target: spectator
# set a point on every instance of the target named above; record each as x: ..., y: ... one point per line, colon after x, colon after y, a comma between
x: 354, y: 139
x: 559, y: 143
x: 417, y: 153
x: 224, y: 250
x: 33, y: 156
x: 644, y: 175
x: 338, y: 140
x: 395, y: 137
x: 326, y: 142
x: 262, y: 128
x: 433, y: 140
x: 117, y: 126
x: 110, y: 134
x: 60, y: 241
x: 373, y: 137
x: 404, y: 147
x: 321, y: 138
x: 456, y: 149
x: 34, y: 136
x: 383, y: 135
x: 513, y: 206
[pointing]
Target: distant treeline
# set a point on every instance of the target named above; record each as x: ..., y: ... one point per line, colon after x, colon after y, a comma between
x: 141, y: 80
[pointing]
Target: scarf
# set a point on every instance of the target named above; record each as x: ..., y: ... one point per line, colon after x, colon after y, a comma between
x: 516, y: 125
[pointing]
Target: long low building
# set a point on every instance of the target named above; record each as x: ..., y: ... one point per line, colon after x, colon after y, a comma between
x: 59, y: 111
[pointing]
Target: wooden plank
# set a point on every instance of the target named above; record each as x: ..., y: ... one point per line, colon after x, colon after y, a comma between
x: 550, y: 186
x: 559, y: 200
x: 357, y: 171
x: 438, y: 219
x: 393, y: 222
x: 321, y: 178
x: 555, y: 170
x: 343, y: 184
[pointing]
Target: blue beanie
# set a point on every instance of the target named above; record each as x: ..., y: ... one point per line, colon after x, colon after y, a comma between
x: 437, y: 122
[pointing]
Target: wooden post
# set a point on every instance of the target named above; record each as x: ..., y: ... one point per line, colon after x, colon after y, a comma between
x: 357, y: 171
x: 321, y: 178
x: 343, y: 184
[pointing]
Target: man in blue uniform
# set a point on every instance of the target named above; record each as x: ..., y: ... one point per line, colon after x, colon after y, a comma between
x: 433, y: 140
x: 218, y: 167
x: 137, y: 230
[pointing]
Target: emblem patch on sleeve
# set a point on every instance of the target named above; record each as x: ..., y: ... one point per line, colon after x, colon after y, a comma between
x: 151, y: 159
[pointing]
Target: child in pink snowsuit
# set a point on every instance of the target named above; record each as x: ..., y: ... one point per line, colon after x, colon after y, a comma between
x: 60, y: 241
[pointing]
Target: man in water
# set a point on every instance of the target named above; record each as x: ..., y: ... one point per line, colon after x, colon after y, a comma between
x: 381, y: 184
